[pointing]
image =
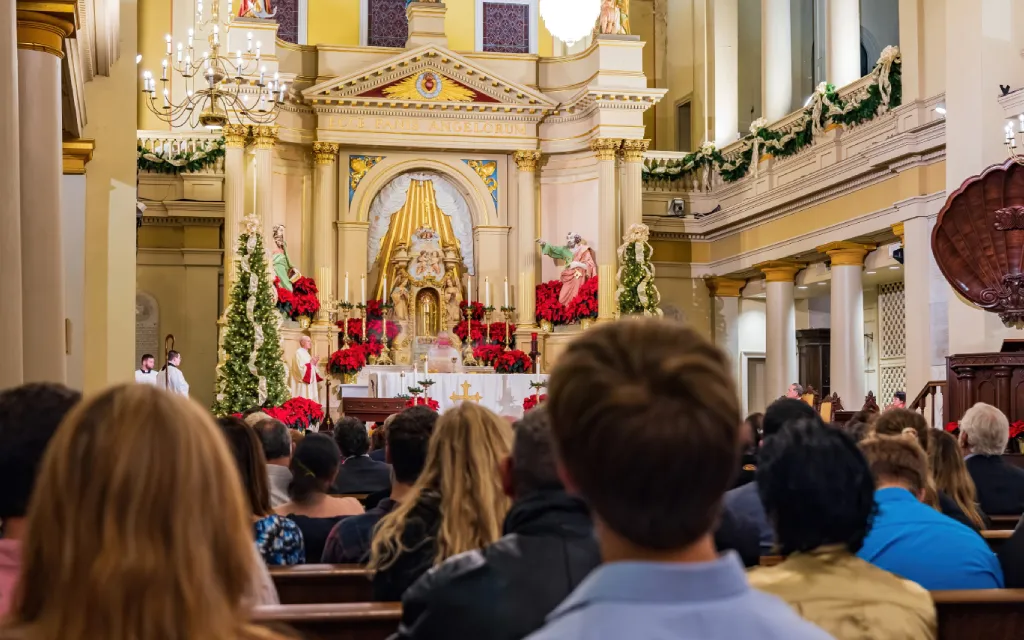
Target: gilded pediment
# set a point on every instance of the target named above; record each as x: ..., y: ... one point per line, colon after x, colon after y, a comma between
x: 429, y: 77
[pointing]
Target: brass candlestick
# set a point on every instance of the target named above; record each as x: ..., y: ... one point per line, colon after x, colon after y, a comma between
x: 346, y: 313
x: 467, y: 348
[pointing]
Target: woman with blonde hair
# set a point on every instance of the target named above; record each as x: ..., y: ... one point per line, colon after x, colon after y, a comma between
x: 456, y: 505
x: 137, y: 528
x: 946, y: 461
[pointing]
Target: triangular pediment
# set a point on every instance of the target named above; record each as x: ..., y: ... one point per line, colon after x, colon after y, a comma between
x: 429, y: 76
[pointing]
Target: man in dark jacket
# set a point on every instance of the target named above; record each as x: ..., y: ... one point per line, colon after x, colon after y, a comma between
x: 358, y: 473
x: 984, y: 432
x: 504, y: 591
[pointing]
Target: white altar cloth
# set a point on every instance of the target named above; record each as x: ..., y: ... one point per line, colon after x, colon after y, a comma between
x: 499, y: 392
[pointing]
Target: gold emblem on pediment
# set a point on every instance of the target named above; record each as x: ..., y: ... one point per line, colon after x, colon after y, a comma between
x: 429, y: 85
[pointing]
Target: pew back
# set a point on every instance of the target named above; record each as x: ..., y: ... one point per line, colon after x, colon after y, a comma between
x: 323, y: 583
x: 992, y: 614
x: 352, y: 621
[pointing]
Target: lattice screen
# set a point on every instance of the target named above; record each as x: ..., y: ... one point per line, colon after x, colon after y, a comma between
x: 891, y: 379
x: 891, y: 321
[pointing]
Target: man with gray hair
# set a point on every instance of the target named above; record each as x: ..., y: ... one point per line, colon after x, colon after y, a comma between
x: 984, y: 432
x: 277, y: 447
x: 504, y: 591
x: 795, y: 391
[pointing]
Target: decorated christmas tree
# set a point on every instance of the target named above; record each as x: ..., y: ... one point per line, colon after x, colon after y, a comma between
x: 636, y: 293
x: 251, y: 372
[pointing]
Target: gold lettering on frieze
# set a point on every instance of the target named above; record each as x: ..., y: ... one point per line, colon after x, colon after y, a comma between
x: 414, y: 125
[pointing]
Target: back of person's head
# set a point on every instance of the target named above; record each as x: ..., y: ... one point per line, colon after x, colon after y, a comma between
x: 859, y: 424
x: 646, y: 423
x: 378, y: 437
x: 255, y: 417
x: 274, y: 438
x: 782, y: 412
x: 29, y: 416
x: 532, y: 462
x: 314, y: 466
x: 897, y: 421
x: 897, y: 460
x: 816, y: 488
x: 946, y: 461
x: 985, y: 429
x: 121, y: 543
x: 350, y: 434
x: 408, y: 438
x: 462, y: 470
x: 754, y: 423
x: 245, y: 447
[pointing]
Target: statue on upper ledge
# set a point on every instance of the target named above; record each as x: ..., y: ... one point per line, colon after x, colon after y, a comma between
x: 283, y: 269
x: 256, y: 9
x: 400, y: 297
x: 451, y: 296
x: 580, y: 264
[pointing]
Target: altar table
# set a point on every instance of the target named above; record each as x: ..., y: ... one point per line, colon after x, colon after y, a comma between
x: 499, y: 392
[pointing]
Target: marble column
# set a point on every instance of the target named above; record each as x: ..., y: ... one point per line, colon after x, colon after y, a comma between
x: 776, y: 60
x: 234, y: 199
x: 725, y: 314
x: 632, y: 183
x: 265, y: 137
x: 12, y: 373
x: 325, y: 204
x: 40, y: 40
x: 843, y: 41
x: 605, y: 149
x: 926, y: 320
x: 780, y: 325
x: 526, y: 255
x: 846, y: 360
x: 727, y: 95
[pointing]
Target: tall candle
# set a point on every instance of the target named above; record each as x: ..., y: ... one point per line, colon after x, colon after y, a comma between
x: 346, y: 286
x: 362, y: 288
x: 506, y: 293
x: 384, y: 290
x: 469, y: 290
x: 487, y: 291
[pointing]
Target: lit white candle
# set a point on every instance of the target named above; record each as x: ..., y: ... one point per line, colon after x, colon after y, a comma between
x: 384, y: 289
x: 487, y: 291
x: 362, y: 288
x: 506, y: 293
x: 346, y: 286
x: 469, y: 289
x: 167, y: 39
x: 179, y: 52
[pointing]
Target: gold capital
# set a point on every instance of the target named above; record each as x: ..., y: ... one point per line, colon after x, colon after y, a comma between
x: 527, y: 160
x: 265, y: 135
x: 850, y: 254
x: 235, y: 135
x: 77, y: 154
x: 897, y: 228
x: 325, y: 152
x: 780, y: 270
x: 43, y: 28
x: 634, y: 150
x: 605, y: 148
x: 724, y: 287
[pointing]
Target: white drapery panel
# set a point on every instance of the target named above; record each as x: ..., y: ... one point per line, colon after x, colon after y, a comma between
x: 392, y: 197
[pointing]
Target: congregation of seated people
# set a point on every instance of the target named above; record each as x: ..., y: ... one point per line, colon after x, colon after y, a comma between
x: 634, y: 503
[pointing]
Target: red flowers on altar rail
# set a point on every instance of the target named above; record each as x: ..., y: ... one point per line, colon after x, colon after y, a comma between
x: 347, y: 361
x: 302, y: 300
x: 486, y: 353
x: 297, y: 413
x: 514, y: 361
x: 584, y: 305
x: 430, y: 403
x: 533, y: 400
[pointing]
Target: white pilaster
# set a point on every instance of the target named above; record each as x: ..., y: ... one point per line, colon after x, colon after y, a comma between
x: 926, y: 322
x: 725, y: 313
x: 526, y: 256
x: 11, y: 374
x: 780, y: 326
x: 324, y: 207
x: 776, y: 60
x: 234, y: 199
x: 846, y: 360
x: 265, y: 137
x: 727, y: 94
x: 632, y: 183
x: 607, y: 225
x: 843, y: 42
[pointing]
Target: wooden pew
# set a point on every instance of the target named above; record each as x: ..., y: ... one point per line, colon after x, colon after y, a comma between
x: 322, y: 583
x: 1004, y: 522
x: 992, y: 614
x: 350, y: 621
x: 996, y: 538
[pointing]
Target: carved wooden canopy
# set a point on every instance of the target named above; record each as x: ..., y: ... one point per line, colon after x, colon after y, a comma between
x: 978, y: 241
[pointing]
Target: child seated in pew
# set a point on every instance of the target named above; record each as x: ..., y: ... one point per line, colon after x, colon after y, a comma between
x: 818, y: 492
x: 314, y: 465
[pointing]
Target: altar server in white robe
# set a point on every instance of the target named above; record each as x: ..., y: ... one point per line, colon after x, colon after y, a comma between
x: 304, y: 377
x: 146, y: 373
x: 171, y: 378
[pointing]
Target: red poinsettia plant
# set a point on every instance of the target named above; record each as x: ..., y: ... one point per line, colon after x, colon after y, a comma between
x: 420, y: 401
x: 347, y: 361
x: 477, y: 312
x: 533, y: 400
x: 297, y: 413
x: 514, y: 361
x: 952, y: 427
x: 486, y: 353
x: 1017, y: 430
x: 496, y: 332
x: 584, y: 305
x: 302, y: 300
x: 475, y: 330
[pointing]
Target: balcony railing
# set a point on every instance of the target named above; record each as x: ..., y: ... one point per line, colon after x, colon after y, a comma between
x: 185, y: 165
x: 175, y: 144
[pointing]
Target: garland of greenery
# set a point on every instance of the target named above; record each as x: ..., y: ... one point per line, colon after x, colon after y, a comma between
x: 159, y: 161
x: 826, y: 108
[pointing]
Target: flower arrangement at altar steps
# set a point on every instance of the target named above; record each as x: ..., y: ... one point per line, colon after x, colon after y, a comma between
x: 302, y: 303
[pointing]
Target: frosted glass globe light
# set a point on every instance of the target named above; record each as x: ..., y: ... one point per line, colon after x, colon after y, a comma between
x: 570, y: 20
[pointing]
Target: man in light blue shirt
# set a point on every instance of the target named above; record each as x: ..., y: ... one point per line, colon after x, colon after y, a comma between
x: 645, y: 417
x: 913, y: 540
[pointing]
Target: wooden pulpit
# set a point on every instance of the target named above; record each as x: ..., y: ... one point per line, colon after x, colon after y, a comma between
x: 993, y: 378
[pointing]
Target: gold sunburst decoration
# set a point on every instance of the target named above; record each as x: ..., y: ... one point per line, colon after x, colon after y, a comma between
x: 429, y: 86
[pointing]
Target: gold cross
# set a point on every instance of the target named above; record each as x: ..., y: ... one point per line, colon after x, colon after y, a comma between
x: 476, y: 397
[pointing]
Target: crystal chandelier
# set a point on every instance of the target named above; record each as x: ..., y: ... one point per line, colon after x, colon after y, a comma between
x: 217, y: 89
x: 570, y: 20
x: 1010, y: 139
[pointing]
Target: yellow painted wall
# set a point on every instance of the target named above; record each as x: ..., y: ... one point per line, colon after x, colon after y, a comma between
x: 460, y: 24
x: 545, y: 46
x: 641, y: 23
x: 332, y: 22
x: 154, y: 24
x: 686, y: 299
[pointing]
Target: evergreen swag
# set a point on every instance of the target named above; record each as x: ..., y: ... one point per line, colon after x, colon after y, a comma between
x: 252, y: 373
x: 161, y: 161
x: 636, y: 293
x: 884, y: 93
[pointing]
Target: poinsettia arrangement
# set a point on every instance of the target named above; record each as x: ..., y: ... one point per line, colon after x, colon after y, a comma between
x: 347, y: 361
x: 514, y: 361
x: 533, y: 400
x: 496, y: 332
x: 302, y: 300
x: 297, y: 413
x: 475, y: 330
x: 486, y: 353
x: 477, y: 310
x: 952, y: 427
x: 584, y: 305
x: 1017, y: 430
x: 418, y: 401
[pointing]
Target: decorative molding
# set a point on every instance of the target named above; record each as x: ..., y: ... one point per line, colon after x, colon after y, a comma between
x: 897, y: 229
x: 488, y: 172
x: 235, y: 135
x: 77, y: 154
x: 325, y: 152
x: 846, y: 254
x: 45, y: 31
x: 780, y: 270
x: 724, y: 287
x: 605, y: 148
x: 634, y: 150
x: 265, y: 135
x: 358, y: 167
x: 526, y: 160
